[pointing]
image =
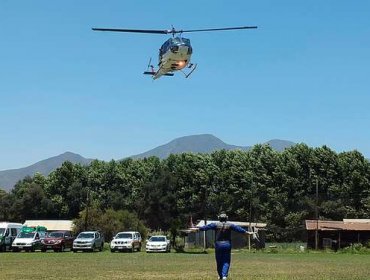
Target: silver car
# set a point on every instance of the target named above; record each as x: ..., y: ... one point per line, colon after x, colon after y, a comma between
x: 88, y: 241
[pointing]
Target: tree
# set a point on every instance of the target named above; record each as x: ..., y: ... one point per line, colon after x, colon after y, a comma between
x: 5, y: 206
x: 109, y: 222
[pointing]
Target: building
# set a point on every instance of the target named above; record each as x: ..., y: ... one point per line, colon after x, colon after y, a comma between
x: 238, y: 240
x: 337, y: 234
x: 51, y: 225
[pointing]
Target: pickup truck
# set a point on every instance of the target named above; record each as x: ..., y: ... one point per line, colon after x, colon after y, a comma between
x: 88, y: 241
x: 57, y: 241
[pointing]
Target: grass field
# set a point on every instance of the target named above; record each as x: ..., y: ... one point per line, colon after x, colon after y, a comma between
x: 245, y: 265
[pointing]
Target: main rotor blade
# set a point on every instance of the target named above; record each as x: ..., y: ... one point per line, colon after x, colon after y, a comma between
x: 217, y: 29
x: 133, y: 30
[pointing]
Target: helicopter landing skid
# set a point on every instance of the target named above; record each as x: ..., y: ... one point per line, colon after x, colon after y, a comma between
x: 192, y: 67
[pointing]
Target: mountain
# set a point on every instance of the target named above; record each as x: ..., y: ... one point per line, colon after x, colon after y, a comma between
x: 280, y: 145
x: 203, y: 143
x: 8, y: 178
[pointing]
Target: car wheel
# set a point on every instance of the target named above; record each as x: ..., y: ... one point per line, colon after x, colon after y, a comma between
x: 112, y: 250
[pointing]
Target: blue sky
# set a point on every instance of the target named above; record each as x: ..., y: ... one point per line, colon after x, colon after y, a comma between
x: 302, y: 76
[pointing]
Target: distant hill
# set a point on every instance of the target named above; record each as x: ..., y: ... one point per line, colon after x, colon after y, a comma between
x: 203, y: 143
x: 8, y: 178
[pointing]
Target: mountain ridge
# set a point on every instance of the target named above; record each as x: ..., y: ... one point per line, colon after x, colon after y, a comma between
x: 205, y: 143
x: 201, y: 143
x: 8, y: 178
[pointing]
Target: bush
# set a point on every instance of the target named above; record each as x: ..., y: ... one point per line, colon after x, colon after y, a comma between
x: 109, y: 222
x: 356, y: 248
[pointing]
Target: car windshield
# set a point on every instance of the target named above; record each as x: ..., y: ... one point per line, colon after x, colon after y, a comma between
x: 56, y: 234
x: 26, y: 235
x: 124, y: 235
x: 157, y: 239
x: 86, y: 235
x: 2, y: 230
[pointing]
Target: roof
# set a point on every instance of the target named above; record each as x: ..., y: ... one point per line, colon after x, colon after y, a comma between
x: 5, y: 224
x: 356, y: 220
x: 241, y: 224
x: 51, y: 224
x: 354, y: 225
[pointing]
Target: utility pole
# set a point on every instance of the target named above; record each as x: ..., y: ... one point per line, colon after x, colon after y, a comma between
x: 317, y: 215
x: 250, y: 217
x: 87, y: 209
x: 204, y: 210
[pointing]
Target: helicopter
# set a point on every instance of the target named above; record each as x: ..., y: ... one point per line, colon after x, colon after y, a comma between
x: 175, y: 53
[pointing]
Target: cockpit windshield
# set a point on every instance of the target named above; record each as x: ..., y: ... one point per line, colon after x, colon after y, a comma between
x: 180, y: 41
x: 177, y: 41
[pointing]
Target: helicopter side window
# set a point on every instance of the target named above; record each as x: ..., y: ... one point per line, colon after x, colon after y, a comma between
x: 164, y: 48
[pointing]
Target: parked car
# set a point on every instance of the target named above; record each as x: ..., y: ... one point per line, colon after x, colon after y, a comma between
x: 126, y: 241
x: 57, y: 241
x: 8, y: 232
x: 88, y: 241
x: 158, y: 243
x: 28, y: 241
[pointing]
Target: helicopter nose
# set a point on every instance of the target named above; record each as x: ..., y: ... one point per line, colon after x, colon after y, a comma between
x: 175, y: 49
x: 181, y: 64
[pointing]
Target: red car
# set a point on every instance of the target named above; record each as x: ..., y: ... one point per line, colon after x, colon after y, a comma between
x: 57, y: 241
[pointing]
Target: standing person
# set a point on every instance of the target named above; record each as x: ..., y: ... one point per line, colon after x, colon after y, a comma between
x: 223, y: 243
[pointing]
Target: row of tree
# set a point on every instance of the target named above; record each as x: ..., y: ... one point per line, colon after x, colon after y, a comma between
x: 262, y: 185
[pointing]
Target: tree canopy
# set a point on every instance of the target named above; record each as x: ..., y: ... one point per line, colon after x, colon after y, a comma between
x: 262, y: 185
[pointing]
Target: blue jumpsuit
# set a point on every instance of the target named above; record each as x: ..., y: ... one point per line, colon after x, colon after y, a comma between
x: 223, y: 244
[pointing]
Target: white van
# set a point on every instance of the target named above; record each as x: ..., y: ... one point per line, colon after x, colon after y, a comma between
x: 8, y: 232
x: 29, y: 239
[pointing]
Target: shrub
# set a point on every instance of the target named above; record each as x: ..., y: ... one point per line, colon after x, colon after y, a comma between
x: 109, y: 222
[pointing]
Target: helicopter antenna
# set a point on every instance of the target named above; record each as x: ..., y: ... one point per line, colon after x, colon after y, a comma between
x: 173, y: 31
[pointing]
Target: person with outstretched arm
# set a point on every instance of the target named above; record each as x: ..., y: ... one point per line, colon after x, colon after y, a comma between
x: 223, y: 242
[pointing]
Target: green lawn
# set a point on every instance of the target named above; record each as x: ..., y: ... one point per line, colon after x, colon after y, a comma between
x: 245, y: 265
